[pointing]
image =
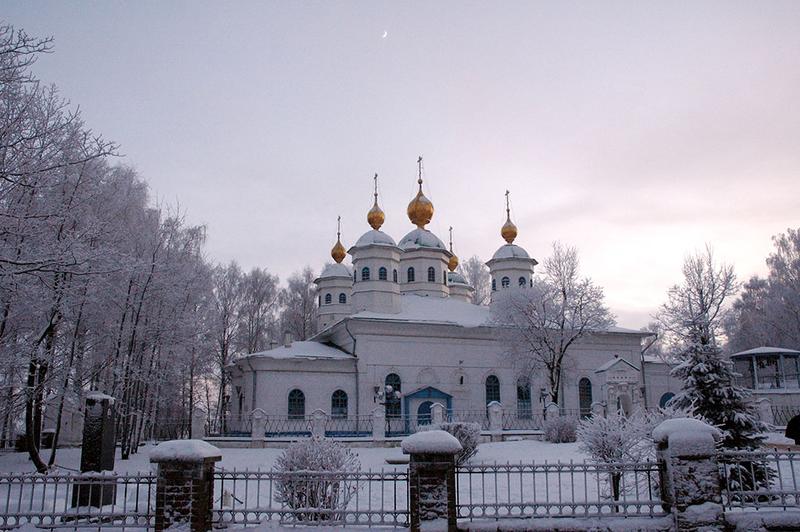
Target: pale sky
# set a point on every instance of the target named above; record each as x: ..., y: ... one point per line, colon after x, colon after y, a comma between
x: 635, y: 131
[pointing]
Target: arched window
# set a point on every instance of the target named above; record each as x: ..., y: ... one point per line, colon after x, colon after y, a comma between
x: 504, y: 282
x: 524, y: 398
x: 410, y: 275
x: 522, y: 282
x: 365, y: 274
x: 342, y: 298
x: 665, y: 399
x: 328, y: 299
x: 494, y: 285
x: 431, y: 275
x: 339, y: 405
x: 492, y: 389
x: 392, y: 401
x: 394, y: 275
x: 382, y: 274
x: 297, y: 404
x: 585, y: 397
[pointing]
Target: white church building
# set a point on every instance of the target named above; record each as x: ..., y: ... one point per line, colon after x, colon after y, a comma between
x: 398, y: 332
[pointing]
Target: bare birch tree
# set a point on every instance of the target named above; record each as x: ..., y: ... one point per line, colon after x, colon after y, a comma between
x: 539, y: 325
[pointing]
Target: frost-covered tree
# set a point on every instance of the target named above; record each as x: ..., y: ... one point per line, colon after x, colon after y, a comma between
x: 477, y: 275
x: 539, y: 325
x: 298, y: 305
x: 767, y: 311
x: 693, y: 315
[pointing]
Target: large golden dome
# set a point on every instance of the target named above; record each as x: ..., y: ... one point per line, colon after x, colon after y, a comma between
x: 420, y: 209
x: 338, y: 253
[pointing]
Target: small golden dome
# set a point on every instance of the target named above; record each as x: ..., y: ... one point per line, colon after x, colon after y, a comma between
x: 509, y: 230
x: 375, y: 216
x: 338, y: 252
x: 453, y: 263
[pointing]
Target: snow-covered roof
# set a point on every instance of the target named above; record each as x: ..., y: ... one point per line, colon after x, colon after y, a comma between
x: 373, y: 236
x: 510, y: 251
x: 653, y: 359
x: 184, y: 450
x: 421, y: 238
x: 613, y: 362
x: 448, y: 311
x: 99, y: 396
x: 304, y: 349
x: 335, y: 270
x: 766, y: 351
x: 456, y: 278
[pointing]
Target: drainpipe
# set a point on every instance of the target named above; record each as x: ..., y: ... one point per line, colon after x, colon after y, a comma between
x: 358, y: 389
x: 644, y: 380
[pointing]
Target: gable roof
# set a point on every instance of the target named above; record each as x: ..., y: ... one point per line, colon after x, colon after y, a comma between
x: 613, y: 362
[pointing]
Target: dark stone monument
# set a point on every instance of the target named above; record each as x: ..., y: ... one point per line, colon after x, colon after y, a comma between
x: 97, y: 452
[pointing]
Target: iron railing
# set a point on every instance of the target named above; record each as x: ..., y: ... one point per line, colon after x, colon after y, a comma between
x: 75, y: 501
x: 316, y: 498
x: 760, y: 479
x: 781, y: 414
x: 558, y: 490
x: 348, y: 426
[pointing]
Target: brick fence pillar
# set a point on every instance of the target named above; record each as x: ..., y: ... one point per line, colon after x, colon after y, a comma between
x: 379, y: 424
x: 185, y: 483
x: 689, y: 478
x: 319, y: 419
x: 432, y: 477
x: 495, y: 413
x: 437, y: 413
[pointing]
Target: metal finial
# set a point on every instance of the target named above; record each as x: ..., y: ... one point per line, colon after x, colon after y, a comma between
x: 338, y: 227
x: 508, y: 206
x: 451, y: 239
x: 419, y: 171
x: 376, y: 185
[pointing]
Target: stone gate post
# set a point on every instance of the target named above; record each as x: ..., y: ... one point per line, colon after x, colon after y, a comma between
x: 689, y: 479
x: 495, y: 413
x: 379, y: 424
x: 432, y: 477
x: 185, y: 483
x: 437, y: 413
x: 551, y: 410
x: 258, y: 420
x: 319, y: 418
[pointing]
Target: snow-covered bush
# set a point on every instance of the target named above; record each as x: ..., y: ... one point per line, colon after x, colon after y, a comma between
x: 309, y: 480
x: 467, y: 434
x: 560, y: 429
x: 615, y: 440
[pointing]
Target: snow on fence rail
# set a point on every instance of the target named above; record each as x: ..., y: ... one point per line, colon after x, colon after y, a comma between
x: 59, y: 500
x: 782, y: 468
x: 376, y: 498
x: 558, y: 490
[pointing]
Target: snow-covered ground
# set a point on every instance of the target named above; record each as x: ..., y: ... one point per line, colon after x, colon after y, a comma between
x: 371, y: 458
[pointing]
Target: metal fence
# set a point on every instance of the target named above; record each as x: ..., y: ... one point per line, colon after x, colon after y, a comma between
x: 558, y: 490
x: 760, y: 479
x: 77, y: 500
x: 783, y: 413
x: 308, y: 498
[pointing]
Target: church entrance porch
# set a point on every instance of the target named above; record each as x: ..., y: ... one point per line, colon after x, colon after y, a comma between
x: 417, y: 405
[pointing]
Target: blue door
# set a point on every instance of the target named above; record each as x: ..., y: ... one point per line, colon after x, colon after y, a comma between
x: 424, y: 413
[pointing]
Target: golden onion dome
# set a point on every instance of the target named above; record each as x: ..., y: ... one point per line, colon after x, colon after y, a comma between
x: 452, y: 264
x: 420, y: 209
x: 375, y: 216
x: 338, y: 253
x: 509, y: 230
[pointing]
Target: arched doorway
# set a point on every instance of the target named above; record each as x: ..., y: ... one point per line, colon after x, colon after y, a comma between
x: 424, y: 413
